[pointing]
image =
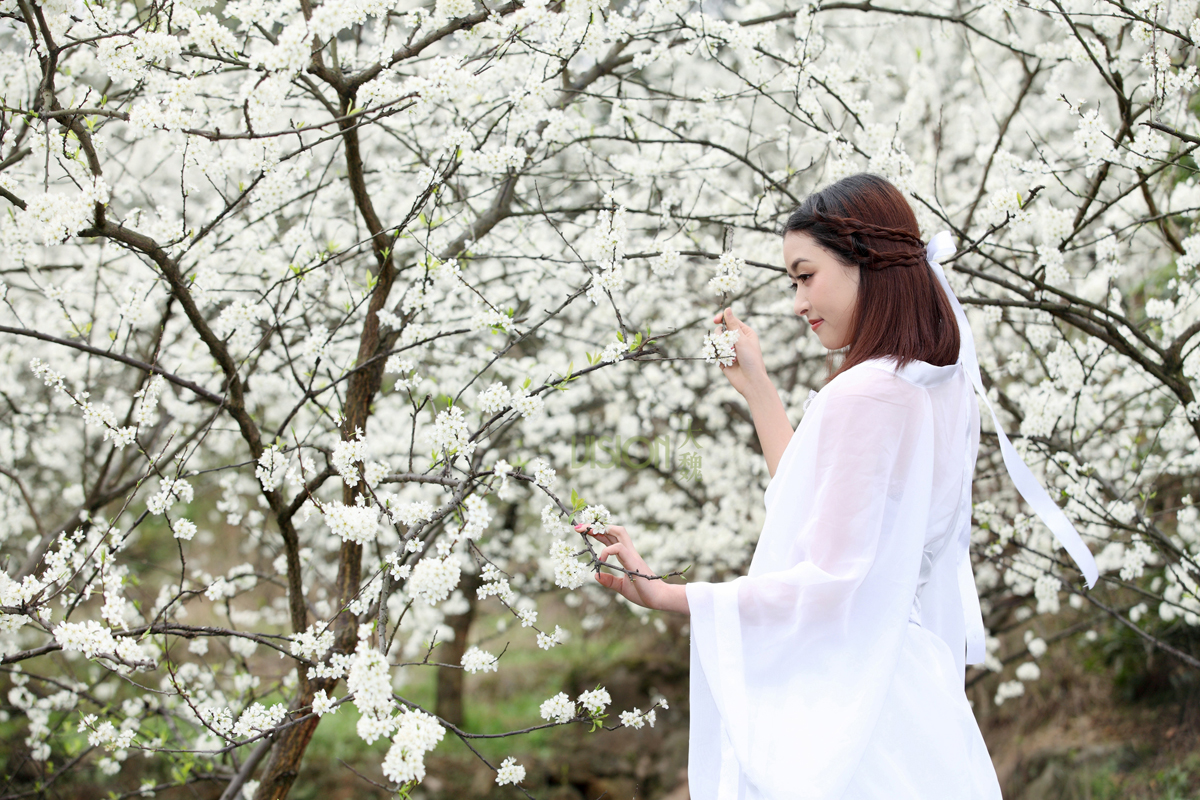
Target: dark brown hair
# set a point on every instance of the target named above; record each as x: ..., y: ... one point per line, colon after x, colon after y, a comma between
x: 902, y: 311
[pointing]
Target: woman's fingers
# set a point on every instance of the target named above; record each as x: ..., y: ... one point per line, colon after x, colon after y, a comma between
x: 603, y: 538
x: 614, y: 582
x: 614, y: 533
x: 622, y: 585
x: 621, y: 534
x: 731, y: 321
x: 616, y: 549
x: 726, y: 317
x: 617, y: 542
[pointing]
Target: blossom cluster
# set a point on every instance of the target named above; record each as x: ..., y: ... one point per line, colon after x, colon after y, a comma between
x: 719, y: 347
x: 476, y: 660
x: 358, y: 524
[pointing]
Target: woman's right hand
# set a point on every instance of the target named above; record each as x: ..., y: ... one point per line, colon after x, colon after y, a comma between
x: 749, y: 369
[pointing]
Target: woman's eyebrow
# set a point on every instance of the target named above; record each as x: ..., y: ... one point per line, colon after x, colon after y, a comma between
x: 795, y: 261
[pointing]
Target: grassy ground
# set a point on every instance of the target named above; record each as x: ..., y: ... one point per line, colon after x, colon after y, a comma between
x: 1105, y: 721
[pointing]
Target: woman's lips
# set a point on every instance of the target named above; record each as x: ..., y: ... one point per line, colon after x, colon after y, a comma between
x: 816, y: 323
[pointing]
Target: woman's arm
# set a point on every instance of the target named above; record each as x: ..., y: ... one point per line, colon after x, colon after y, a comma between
x: 770, y: 420
x: 748, y: 375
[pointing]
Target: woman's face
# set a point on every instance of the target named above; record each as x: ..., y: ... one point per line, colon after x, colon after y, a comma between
x: 826, y: 289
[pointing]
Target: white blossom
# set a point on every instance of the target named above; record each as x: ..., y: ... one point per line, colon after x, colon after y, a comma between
x: 411, y: 513
x: 183, y: 529
x: 89, y: 638
x: 665, y: 264
x: 546, y: 641
x: 272, y: 465
x: 510, y: 772
x: 476, y: 660
x: 1029, y: 671
x: 613, y: 350
x: 416, y: 734
x: 637, y: 719
x: 450, y: 433
x: 314, y: 642
x: 477, y: 517
x: 322, y: 704
x: 347, y: 454
x: 258, y: 718
x: 358, y: 524
x: 1134, y: 563
x: 569, y: 571
x: 433, y: 579
x: 1008, y: 690
x: 595, y: 701
x: 493, y: 399
x: 370, y: 686
x: 528, y: 405
x: 718, y: 347
x: 559, y: 708
x: 543, y: 473
x: 170, y: 491
x: 729, y: 274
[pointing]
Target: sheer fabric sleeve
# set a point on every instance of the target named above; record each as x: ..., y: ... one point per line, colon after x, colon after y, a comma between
x: 790, y: 664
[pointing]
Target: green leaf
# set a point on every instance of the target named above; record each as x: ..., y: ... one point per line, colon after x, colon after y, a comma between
x: 561, y: 383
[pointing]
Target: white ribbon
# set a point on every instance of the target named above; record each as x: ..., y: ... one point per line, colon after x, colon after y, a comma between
x: 939, y: 247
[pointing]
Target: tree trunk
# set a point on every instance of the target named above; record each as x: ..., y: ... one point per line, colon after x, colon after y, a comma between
x: 449, y: 704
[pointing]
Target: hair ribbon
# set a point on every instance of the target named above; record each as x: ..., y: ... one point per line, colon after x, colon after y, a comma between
x: 942, y: 246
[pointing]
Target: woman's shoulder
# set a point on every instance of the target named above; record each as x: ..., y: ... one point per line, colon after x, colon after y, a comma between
x: 875, y: 378
x: 887, y: 377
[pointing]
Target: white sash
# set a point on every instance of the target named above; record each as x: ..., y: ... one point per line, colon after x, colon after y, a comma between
x: 939, y: 247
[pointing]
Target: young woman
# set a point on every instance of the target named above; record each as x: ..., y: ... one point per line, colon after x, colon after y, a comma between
x: 835, y: 668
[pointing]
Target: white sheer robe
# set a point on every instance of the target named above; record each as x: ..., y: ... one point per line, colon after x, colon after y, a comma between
x: 834, y: 669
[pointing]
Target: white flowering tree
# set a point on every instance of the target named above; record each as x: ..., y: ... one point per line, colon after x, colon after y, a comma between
x: 344, y: 283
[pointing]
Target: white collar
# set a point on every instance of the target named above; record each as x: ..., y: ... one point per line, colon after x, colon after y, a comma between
x: 920, y: 373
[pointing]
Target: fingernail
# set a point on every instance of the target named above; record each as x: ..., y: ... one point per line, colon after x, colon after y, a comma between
x: 578, y: 527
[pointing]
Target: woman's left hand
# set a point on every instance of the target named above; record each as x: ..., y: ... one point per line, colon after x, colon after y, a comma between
x: 656, y: 594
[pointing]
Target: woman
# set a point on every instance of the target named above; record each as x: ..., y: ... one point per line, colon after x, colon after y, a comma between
x: 835, y: 668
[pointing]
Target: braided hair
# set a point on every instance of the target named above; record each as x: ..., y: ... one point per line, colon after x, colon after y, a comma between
x: 901, y: 311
